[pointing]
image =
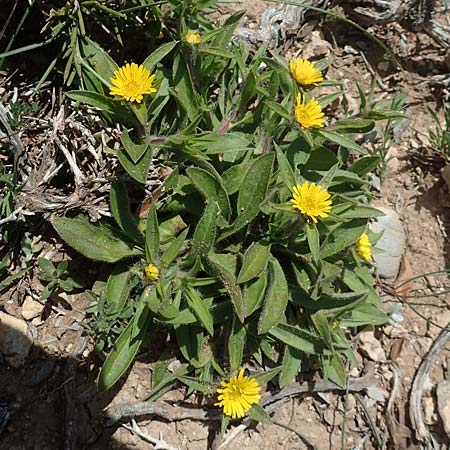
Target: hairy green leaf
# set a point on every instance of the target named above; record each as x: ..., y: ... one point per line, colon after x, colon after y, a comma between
x: 98, y: 243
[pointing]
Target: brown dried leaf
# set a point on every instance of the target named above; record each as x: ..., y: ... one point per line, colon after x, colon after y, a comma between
x: 405, y: 273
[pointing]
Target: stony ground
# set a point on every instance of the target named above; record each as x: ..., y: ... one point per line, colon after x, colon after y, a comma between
x: 55, y: 388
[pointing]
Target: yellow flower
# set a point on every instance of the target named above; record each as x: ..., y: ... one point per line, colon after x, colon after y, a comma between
x: 238, y: 395
x: 363, y: 247
x: 308, y: 114
x: 193, y: 38
x: 132, y: 82
x: 151, y: 272
x: 311, y: 200
x: 304, y: 72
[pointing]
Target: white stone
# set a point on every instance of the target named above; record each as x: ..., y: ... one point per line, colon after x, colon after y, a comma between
x: 372, y: 347
x: 392, y: 243
x: 15, y: 340
x: 31, y: 308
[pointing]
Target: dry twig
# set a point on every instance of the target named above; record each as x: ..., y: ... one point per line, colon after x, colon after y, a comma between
x: 175, y: 413
x: 415, y: 399
x: 159, y: 444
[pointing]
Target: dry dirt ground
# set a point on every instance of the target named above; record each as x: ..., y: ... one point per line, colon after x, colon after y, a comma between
x: 53, y: 391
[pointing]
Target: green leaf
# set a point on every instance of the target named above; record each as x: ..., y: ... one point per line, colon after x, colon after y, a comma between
x: 184, y: 89
x: 334, y: 369
x: 276, y: 298
x: 365, y: 165
x: 217, y: 143
x: 254, y: 294
x: 298, y: 338
x: 138, y: 170
x: 278, y: 109
x: 255, y: 261
x: 106, y: 104
x: 236, y: 344
x: 264, y: 377
x: 343, y: 141
x: 248, y: 91
x: 232, y: 178
x: 166, y: 383
x: 336, y: 303
x: 292, y: 359
x: 205, y: 232
x: 361, y: 212
x: 354, y: 125
x: 312, y: 235
x: 140, y: 111
x: 216, y: 51
x: 97, y: 243
x: 364, y: 314
x: 172, y: 252
x: 214, y: 267
x: 253, y: 192
x: 322, y: 327
x: 124, y: 350
x: 135, y: 151
x: 120, y: 208
x: 119, y: 285
x: 328, y: 177
x: 211, y: 188
x: 155, y: 57
x: 152, y: 236
x: 258, y: 413
x: 287, y: 174
x: 198, y: 306
x: 342, y: 237
x: 47, y: 267
x: 97, y: 58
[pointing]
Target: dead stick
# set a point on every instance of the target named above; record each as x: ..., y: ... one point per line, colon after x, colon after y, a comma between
x: 175, y: 413
x: 415, y: 399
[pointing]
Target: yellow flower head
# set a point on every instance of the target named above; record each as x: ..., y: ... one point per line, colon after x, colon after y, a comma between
x: 363, y: 247
x: 132, y: 82
x: 311, y: 200
x: 238, y: 395
x: 151, y: 272
x: 193, y: 38
x: 304, y: 72
x: 308, y: 114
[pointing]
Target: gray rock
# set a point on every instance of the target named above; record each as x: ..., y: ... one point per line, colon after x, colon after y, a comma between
x: 392, y: 243
x: 15, y: 340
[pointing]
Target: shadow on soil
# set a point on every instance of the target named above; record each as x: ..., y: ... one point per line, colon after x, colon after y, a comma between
x: 52, y: 403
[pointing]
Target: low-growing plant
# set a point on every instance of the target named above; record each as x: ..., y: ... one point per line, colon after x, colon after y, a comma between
x: 256, y: 246
x: 439, y: 136
x: 57, y: 278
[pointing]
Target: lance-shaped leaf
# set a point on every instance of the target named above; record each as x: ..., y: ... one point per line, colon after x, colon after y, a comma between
x: 119, y: 285
x: 152, y: 236
x: 211, y: 188
x: 135, y: 151
x: 94, y: 242
x: 205, y: 232
x: 253, y: 192
x: 120, y: 208
x: 125, y: 348
x: 200, y: 309
x: 213, y: 266
x: 255, y: 260
x: 276, y: 298
x: 236, y: 344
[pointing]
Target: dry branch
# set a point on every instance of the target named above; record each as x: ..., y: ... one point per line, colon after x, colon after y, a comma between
x: 415, y: 399
x: 172, y: 413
